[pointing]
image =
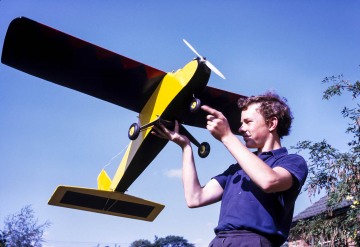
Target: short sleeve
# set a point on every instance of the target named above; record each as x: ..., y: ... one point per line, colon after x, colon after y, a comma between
x: 296, y: 165
x: 223, y: 177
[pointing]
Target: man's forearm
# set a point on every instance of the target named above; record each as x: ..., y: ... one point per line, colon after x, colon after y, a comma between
x: 254, y: 167
x: 192, y: 187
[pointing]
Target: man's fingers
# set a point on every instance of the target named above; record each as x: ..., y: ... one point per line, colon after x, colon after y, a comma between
x: 176, y: 128
x: 214, y: 115
x: 211, y: 111
x: 161, y: 132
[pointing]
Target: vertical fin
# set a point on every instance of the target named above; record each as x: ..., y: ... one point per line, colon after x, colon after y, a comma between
x: 103, y: 181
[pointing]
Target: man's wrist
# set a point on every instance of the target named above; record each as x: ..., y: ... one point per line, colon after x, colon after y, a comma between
x: 228, y: 139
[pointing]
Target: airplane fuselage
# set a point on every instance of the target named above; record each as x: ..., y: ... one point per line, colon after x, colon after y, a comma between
x: 170, y: 101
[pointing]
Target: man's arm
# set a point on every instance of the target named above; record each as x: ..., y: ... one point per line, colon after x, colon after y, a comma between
x: 195, y: 194
x: 269, y: 180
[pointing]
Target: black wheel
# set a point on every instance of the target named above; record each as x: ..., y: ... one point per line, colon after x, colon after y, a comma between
x: 134, y: 131
x: 204, y: 150
x: 195, y: 105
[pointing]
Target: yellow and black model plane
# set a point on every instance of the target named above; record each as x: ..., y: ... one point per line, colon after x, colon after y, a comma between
x: 157, y: 96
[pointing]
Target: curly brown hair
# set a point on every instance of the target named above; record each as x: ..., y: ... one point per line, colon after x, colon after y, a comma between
x: 271, y: 105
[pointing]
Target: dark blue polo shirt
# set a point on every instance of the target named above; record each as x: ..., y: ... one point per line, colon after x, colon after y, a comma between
x: 245, y: 206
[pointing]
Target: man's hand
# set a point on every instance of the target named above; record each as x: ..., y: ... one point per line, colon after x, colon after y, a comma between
x: 217, y: 123
x: 162, y: 132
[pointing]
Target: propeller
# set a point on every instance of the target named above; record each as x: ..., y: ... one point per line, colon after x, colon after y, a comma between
x: 203, y: 59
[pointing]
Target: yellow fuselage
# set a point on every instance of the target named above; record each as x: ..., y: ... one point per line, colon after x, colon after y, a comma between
x: 173, y: 92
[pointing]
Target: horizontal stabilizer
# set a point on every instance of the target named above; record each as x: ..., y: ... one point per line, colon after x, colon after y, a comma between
x: 105, y: 202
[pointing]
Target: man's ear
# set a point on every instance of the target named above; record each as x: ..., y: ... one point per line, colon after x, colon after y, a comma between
x: 272, y: 123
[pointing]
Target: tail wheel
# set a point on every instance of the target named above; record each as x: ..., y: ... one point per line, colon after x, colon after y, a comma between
x: 134, y: 131
x: 204, y: 150
x: 195, y: 105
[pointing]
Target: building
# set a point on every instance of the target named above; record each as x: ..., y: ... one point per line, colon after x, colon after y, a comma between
x: 317, y: 209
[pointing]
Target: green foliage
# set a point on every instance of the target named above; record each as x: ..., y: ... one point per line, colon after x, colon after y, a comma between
x: 21, y: 229
x: 169, y: 241
x: 339, y: 85
x: 337, y: 173
x: 2, y: 240
x: 141, y: 243
x: 172, y: 241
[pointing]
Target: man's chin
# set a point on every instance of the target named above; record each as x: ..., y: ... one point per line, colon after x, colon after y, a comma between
x: 249, y: 144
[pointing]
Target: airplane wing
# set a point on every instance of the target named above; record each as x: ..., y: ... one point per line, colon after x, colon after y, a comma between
x: 60, y: 58
x: 223, y: 101
x: 71, y: 62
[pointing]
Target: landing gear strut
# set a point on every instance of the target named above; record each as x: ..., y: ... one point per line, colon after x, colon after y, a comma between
x: 203, y: 148
x: 135, y: 129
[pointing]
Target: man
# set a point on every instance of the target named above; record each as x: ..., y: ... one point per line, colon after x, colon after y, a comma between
x: 258, y: 193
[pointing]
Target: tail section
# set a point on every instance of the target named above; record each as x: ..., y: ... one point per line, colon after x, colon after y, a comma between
x: 105, y: 202
x: 103, y: 181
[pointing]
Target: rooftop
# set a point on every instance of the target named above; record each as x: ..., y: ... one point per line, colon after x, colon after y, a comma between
x: 317, y: 208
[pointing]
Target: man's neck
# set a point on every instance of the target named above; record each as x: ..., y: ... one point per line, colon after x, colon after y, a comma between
x: 272, y: 144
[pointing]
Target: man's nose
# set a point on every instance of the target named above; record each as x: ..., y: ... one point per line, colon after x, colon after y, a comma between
x: 241, y: 130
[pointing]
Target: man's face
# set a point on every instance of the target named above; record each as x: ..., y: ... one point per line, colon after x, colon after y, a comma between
x: 253, y: 127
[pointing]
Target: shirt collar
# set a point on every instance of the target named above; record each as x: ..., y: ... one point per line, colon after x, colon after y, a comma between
x: 276, y: 152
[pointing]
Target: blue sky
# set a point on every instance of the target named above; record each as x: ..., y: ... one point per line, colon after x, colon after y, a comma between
x: 52, y: 136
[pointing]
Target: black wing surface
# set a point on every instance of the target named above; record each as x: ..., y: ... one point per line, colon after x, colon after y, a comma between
x: 223, y: 101
x: 60, y: 58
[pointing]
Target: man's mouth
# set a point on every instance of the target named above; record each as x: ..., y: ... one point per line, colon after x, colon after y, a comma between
x: 246, y: 138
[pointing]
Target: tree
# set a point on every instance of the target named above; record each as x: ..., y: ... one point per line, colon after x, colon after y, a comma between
x: 172, y: 241
x: 21, y: 229
x: 2, y: 240
x: 337, y: 173
x: 141, y: 243
x: 169, y: 241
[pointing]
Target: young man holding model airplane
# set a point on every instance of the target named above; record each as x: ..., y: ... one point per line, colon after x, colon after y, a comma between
x: 258, y: 193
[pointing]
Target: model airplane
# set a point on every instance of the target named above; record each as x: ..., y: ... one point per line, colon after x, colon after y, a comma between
x: 157, y: 96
